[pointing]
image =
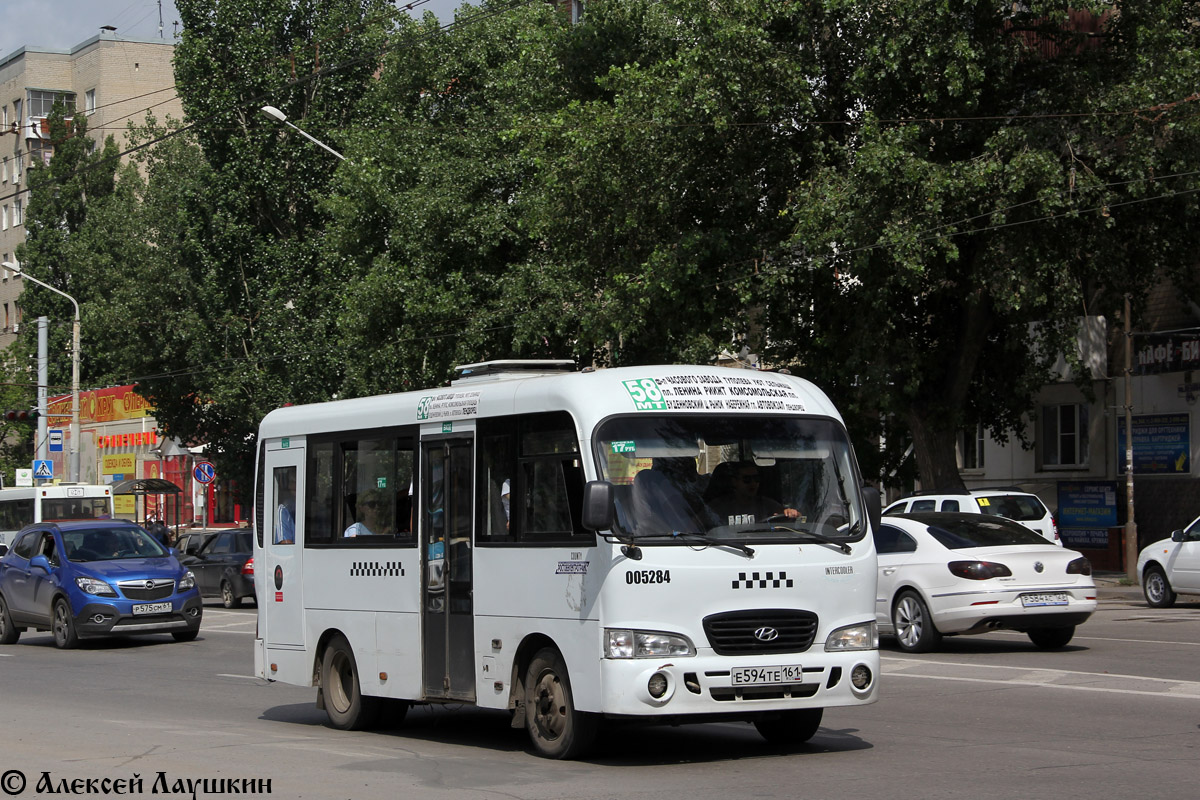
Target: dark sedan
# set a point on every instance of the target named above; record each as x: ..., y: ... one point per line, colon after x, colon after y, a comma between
x: 224, y: 567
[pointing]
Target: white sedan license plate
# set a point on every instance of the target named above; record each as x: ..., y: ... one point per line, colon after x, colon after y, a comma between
x: 152, y: 608
x: 758, y: 676
x: 1045, y: 599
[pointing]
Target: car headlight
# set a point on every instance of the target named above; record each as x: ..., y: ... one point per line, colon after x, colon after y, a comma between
x: 864, y: 636
x: 187, y: 581
x: 645, y: 644
x: 96, y: 587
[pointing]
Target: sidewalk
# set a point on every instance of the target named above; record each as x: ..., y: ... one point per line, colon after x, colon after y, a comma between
x: 1110, y: 587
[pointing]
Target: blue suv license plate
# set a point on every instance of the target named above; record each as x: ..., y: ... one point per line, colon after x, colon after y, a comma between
x: 151, y: 608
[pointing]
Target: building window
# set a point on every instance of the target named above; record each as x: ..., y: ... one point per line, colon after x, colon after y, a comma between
x: 40, y: 152
x: 4, y: 218
x: 1064, y: 435
x: 89, y: 101
x: 576, y: 11
x: 41, y: 102
x: 970, y: 448
x: 17, y: 212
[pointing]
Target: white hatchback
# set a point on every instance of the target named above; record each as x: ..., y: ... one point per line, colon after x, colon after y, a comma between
x: 1170, y: 567
x: 944, y: 574
x: 1023, y: 507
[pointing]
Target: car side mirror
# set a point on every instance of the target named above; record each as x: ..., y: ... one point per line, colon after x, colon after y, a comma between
x: 41, y: 562
x: 3, y: 550
x: 1177, y: 536
x: 598, y: 512
x: 874, y: 503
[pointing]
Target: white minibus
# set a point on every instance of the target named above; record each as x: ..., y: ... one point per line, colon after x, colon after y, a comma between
x: 580, y: 548
x: 25, y: 505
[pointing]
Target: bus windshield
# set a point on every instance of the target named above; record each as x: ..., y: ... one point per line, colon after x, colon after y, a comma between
x: 754, y: 478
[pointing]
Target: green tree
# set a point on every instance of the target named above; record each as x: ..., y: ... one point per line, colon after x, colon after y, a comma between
x: 80, y: 223
x: 237, y: 303
x: 1001, y: 174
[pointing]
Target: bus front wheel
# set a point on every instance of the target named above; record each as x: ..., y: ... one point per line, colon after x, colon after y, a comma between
x: 790, y: 727
x: 345, y: 705
x: 555, y: 727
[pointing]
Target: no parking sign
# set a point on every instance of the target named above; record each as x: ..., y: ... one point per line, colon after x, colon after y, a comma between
x: 204, y: 472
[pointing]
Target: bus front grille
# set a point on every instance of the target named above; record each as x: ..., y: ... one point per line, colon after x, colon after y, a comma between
x: 780, y: 630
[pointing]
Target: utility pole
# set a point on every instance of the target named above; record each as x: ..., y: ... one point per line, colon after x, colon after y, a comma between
x: 1131, y: 542
x: 43, y: 361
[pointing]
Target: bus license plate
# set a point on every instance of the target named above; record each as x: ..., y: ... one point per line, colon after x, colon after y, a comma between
x: 152, y: 608
x: 1045, y: 599
x: 758, y: 676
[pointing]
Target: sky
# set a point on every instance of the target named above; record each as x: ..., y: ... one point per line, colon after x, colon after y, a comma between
x: 62, y: 24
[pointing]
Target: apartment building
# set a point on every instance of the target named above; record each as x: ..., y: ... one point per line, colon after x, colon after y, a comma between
x: 110, y: 78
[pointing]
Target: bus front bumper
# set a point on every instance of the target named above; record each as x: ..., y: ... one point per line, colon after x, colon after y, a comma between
x: 708, y: 684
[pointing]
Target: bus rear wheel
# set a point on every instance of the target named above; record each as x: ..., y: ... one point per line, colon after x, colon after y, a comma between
x: 345, y: 705
x: 790, y: 727
x: 555, y: 727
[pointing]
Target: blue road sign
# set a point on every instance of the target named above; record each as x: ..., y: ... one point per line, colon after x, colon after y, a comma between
x: 43, y: 469
x: 56, y: 441
x: 204, y: 472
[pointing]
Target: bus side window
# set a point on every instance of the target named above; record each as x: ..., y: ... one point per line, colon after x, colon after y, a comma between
x: 360, y: 490
x: 497, y: 473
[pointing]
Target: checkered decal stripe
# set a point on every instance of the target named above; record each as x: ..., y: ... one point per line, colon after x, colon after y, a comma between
x: 376, y: 569
x: 762, y: 580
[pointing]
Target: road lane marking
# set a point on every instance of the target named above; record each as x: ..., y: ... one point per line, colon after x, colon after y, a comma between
x: 1043, y: 678
x: 1077, y: 637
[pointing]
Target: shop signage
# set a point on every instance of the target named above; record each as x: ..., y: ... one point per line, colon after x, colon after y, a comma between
x: 1161, y: 444
x: 1087, y: 504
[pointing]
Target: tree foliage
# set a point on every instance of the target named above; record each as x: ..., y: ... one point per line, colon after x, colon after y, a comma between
x: 910, y: 202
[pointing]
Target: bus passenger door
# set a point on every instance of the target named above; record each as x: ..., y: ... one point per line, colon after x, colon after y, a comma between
x: 281, y: 608
x: 447, y: 613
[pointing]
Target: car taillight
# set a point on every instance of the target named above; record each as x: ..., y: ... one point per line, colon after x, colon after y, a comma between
x: 1080, y: 566
x: 1054, y: 527
x: 248, y: 567
x: 978, y: 570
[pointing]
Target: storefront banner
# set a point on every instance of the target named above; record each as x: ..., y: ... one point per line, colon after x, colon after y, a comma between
x: 1087, y: 504
x: 1162, y: 444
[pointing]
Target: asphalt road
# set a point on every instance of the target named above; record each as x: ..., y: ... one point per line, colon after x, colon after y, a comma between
x: 1116, y: 714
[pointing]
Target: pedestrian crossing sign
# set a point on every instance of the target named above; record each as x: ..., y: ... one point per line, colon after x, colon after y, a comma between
x: 43, y: 468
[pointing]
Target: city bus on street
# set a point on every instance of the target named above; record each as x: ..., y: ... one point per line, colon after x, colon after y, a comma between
x: 583, y: 549
x: 53, y: 502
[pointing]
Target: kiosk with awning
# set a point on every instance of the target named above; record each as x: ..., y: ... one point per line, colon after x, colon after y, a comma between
x: 148, y: 486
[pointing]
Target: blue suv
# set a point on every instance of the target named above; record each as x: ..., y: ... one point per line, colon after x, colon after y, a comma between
x: 95, y: 578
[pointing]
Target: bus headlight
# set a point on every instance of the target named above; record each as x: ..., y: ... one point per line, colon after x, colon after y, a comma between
x: 645, y: 644
x: 864, y: 636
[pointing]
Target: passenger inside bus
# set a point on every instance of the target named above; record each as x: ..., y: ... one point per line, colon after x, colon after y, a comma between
x: 373, y: 509
x: 742, y: 502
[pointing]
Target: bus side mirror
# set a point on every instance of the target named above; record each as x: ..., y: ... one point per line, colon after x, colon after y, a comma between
x: 874, y: 506
x: 598, y: 513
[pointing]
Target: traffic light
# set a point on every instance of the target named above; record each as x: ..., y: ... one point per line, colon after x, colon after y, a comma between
x: 21, y: 415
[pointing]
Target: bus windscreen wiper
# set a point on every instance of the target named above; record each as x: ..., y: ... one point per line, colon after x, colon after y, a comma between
x: 711, y: 540
x: 820, y: 537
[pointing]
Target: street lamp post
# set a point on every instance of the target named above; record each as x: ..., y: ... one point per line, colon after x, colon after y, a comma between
x: 74, y: 464
x: 275, y: 114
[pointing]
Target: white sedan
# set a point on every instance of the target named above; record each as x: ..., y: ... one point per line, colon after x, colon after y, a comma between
x: 1171, y: 566
x: 943, y: 574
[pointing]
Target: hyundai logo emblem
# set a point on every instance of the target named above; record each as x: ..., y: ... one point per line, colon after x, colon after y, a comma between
x: 766, y: 634
x: 1038, y: 566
